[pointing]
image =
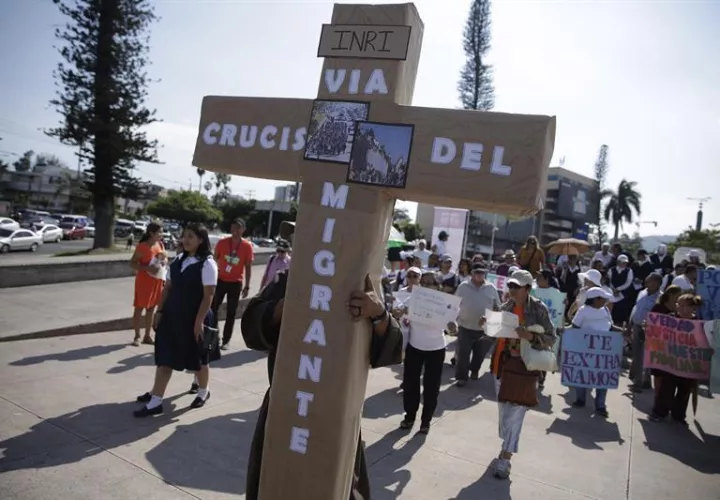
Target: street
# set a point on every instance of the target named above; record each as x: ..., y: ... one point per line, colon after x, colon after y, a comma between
x: 48, y: 249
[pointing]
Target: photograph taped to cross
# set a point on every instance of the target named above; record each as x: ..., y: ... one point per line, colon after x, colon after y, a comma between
x: 380, y: 153
x: 465, y: 159
x: 332, y: 129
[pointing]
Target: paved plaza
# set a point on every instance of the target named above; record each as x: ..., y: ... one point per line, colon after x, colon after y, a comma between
x: 67, y: 432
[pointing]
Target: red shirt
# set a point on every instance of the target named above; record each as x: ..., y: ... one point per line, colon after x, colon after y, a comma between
x: 232, y: 259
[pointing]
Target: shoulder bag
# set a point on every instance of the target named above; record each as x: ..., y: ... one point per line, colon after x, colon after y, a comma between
x: 518, y: 385
x: 536, y: 359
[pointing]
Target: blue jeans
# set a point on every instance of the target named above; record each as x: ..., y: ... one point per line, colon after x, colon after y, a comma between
x: 600, y: 395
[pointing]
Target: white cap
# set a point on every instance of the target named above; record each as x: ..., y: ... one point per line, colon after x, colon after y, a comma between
x: 596, y: 292
x: 592, y: 275
x: 415, y: 270
x: 512, y: 269
x: 694, y: 253
x: 623, y: 258
x: 521, y: 278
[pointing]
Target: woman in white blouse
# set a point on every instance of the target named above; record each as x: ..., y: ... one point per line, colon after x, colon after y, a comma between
x: 594, y: 315
x: 181, y: 319
x: 424, y: 355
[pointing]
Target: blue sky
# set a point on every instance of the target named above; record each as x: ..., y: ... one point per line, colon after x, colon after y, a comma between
x: 640, y: 76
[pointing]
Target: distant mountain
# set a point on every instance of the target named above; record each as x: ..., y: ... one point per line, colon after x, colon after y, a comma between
x: 650, y: 243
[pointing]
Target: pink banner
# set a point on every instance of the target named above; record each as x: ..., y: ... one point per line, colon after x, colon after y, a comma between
x: 677, y: 346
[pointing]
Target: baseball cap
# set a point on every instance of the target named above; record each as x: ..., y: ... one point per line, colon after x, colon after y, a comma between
x: 521, y: 278
x: 546, y: 273
x: 239, y: 221
x: 415, y: 270
x: 445, y: 258
x: 283, y: 245
x: 623, y: 258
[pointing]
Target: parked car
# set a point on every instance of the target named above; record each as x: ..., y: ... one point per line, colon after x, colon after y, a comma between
x: 90, y: 230
x: 78, y: 220
x: 7, y: 223
x: 50, y: 233
x: 19, y: 239
x: 72, y: 231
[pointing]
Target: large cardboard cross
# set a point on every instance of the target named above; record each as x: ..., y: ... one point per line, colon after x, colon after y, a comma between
x: 467, y: 159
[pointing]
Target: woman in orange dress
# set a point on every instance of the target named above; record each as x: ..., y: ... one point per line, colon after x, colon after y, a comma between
x: 149, y: 279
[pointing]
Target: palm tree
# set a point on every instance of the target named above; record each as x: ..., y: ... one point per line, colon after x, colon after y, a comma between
x: 621, y: 204
x: 200, y: 173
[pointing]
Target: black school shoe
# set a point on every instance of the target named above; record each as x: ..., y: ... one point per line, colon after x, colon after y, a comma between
x: 424, y: 428
x: 193, y: 388
x: 144, y: 398
x: 145, y: 412
x: 199, y: 402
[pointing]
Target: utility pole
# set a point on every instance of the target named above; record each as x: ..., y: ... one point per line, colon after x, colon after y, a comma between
x: 640, y: 222
x: 699, y: 219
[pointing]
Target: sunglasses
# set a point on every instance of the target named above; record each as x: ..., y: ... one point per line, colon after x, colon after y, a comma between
x: 513, y: 286
x: 413, y: 275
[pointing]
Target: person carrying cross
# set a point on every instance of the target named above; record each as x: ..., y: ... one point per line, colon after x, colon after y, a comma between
x: 260, y: 328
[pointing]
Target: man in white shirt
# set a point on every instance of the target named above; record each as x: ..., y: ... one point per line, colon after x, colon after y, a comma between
x: 604, y: 255
x: 477, y: 296
x: 687, y: 281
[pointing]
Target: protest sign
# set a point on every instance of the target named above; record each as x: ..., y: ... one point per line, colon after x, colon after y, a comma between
x: 501, y: 324
x: 708, y: 287
x: 400, y: 298
x: 715, y: 366
x: 591, y: 358
x: 500, y: 282
x: 554, y: 299
x: 677, y: 346
x: 432, y: 308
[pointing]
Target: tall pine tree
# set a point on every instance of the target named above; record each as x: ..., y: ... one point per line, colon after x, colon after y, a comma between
x: 476, y: 86
x: 601, y: 172
x: 102, y: 88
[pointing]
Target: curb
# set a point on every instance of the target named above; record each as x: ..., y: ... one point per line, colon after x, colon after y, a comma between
x: 112, y: 325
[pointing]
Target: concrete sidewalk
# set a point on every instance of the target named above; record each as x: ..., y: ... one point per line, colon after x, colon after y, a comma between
x: 67, y: 432
x: 67, y: 308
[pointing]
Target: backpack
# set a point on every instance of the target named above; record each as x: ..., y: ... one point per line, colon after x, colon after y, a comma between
x: 272, y: 294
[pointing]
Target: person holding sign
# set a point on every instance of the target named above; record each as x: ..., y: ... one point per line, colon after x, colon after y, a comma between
x: 477, y: 296
x: 516, y: 386
x: 673, y: 394
x: 594, y: 315
x: 424, y: 355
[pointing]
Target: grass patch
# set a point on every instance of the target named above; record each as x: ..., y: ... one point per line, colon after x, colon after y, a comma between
x: 93, y: 251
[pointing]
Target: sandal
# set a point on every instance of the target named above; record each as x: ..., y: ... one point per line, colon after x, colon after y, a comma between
x: 136, y: 342
x: 148, y: 340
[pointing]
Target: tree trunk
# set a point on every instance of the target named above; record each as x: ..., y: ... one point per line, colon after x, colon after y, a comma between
x: 103, y: 222
x: 617, y: 230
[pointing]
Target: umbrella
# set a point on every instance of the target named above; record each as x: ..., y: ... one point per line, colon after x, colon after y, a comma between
x: 396, y: 238
x: 568, y: 246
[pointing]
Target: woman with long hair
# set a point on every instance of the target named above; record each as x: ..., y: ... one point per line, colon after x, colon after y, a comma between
x: 464, y: 269
x: 148, y: 279
x: 182, y: 317
x: 531, y: 257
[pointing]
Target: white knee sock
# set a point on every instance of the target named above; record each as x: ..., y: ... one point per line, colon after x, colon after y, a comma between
x: 203, y: 393
x: 154, y: 401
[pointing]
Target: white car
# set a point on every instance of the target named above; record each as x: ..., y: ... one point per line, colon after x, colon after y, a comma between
x: 20, y: 239
x: 90, y: 231
x: 50, y: 233
x: 6, y: 223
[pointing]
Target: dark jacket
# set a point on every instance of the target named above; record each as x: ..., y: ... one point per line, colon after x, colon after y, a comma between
x: 385, y: 350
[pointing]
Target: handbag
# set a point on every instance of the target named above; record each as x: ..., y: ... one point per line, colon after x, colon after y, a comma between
x: 518, y: 385
x: 536, y: 359
x: 210, y: 338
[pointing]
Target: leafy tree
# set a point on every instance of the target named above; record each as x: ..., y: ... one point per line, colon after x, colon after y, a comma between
x: 476, y: 86
x: 706, y: 239
x: 232, y: 209
x: 621, y: 204
x: 200, y: 173
x: 49, y: 161
x: 102, y: 88
x: 208, y: 187
x: 185, y: 206
x: 601, y: 170
x: 411, y: 230
x: 221, y: 181
x: 24, y: 163
x: 400, y: 215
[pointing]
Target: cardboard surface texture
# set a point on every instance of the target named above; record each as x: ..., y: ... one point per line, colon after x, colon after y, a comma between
x: 498, y: 162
